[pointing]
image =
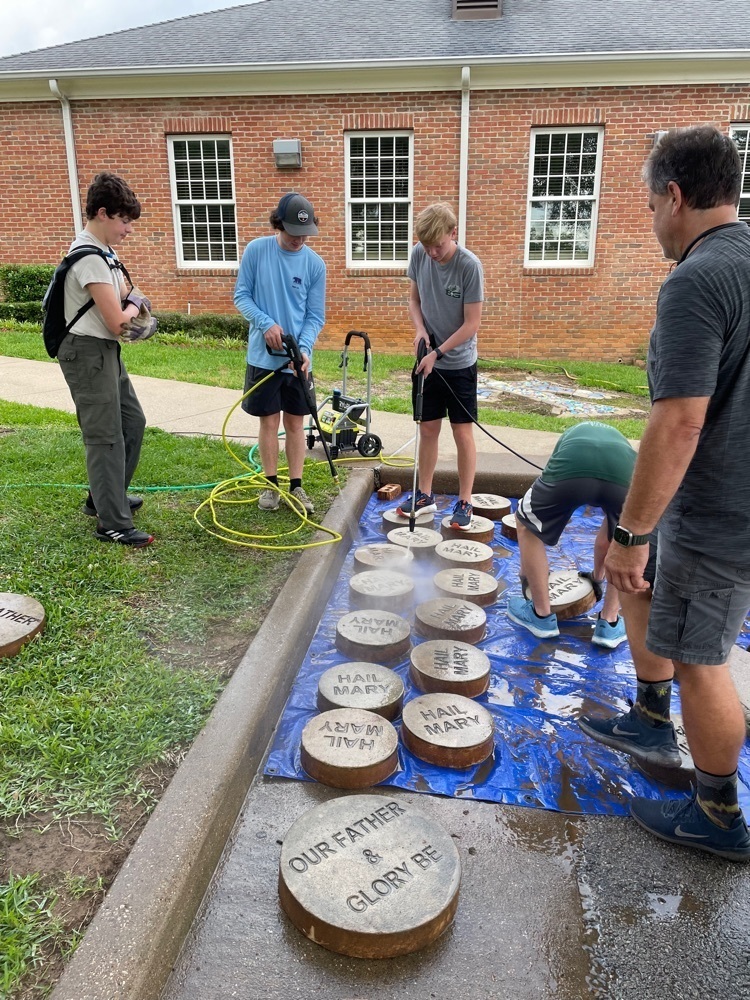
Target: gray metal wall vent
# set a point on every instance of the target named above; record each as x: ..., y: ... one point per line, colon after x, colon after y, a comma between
x: 475, y: 10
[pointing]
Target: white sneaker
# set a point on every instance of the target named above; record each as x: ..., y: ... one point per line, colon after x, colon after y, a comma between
x: 268, y: 500
x: 299, y: 494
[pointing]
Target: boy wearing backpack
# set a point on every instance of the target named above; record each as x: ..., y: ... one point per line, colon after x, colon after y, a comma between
x: 110, y: 417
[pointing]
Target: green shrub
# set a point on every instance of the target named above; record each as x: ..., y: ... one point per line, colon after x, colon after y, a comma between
x: 203, y: 324
x: 24, y: 312
x: 25, y: 282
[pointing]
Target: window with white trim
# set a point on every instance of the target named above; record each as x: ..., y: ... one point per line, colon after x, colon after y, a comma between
x: 741, y: 136
x: 564, y: 180
x: 202, y: 182
x: 378, y: 198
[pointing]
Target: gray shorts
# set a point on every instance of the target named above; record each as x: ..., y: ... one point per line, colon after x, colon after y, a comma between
x: 546, y: 508
x: 698, y: 605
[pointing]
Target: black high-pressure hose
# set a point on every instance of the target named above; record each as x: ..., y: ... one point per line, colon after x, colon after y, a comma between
x: 484, y: 429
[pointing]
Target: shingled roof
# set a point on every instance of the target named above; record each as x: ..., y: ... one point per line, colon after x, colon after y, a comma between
x: 306, y: 32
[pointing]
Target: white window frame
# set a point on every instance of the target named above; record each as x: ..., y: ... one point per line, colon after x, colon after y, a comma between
x: 744, y: 206
x: 177, y: 202
x: 376, y: 265
x: 594, y: 198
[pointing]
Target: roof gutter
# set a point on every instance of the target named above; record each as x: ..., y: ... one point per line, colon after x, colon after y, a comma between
x: 463, y: 159
x: 70, y: 153
x: 362, y: 64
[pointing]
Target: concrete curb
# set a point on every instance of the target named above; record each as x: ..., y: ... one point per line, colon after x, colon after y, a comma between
x: 131, y: 945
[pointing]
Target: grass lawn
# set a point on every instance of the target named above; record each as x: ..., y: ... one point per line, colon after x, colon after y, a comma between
x: 97, y: 711
x: 221, y: 362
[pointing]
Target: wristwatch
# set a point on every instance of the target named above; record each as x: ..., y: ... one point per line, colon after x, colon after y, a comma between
x: 438, y: 353
x: 625, y: 537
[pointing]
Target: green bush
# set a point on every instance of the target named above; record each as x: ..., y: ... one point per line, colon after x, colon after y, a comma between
x: 203, y: 324
x: 25, y: 282
x: 24, y: 312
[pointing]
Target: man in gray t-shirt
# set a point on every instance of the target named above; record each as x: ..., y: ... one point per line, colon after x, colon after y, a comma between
x: 692, y: 477
x: 445, y: 306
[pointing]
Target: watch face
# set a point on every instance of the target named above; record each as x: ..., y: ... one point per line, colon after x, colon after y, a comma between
x: 622, y: 535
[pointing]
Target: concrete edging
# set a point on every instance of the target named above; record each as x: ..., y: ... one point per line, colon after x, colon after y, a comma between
x: 129, y: 949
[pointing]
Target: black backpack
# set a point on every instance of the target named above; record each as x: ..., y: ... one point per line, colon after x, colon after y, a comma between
x: 54, y: 327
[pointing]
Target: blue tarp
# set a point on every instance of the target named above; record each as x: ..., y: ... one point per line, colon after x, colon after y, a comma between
x: 537, y: 689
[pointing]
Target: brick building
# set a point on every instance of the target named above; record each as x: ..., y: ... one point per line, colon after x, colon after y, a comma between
x: 532, y: 117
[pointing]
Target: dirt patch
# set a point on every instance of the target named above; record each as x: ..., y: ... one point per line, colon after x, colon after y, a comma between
x: 77, y: 858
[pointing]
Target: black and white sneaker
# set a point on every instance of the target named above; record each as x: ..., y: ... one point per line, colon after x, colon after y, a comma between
x: 135, y: 503
x: 128, y: 536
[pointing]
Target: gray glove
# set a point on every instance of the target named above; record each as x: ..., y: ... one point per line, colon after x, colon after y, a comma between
x: 137, y: 298
x: 140, y: 327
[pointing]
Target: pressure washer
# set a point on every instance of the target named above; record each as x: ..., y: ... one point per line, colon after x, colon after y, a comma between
x: 418, y: 400
x: 292, y: 351
x: 344, y: 421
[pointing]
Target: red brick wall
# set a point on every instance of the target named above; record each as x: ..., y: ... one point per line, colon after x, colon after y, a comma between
x: 604, y: 312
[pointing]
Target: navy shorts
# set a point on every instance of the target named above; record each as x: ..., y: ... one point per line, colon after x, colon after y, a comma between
x: 452, y: 392
x: 698, y: 605
x: 281, y: 394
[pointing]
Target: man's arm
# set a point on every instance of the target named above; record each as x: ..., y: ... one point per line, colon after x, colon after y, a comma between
x: 666, y: 450
x: 109, y: 305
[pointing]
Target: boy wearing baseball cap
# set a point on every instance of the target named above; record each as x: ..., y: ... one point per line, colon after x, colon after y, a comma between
x: 280, y: 290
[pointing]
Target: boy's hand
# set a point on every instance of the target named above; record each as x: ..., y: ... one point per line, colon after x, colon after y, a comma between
x: 141, y: 327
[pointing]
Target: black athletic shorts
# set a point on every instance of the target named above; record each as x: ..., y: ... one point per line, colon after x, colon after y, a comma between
x: 452, y: 391
x: 546, y: 508
x: 281, y: 394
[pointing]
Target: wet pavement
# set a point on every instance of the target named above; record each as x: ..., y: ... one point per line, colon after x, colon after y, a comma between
x: 552, y: 907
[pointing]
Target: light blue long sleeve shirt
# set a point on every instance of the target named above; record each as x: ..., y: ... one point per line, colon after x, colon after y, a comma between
x: 283, y: 287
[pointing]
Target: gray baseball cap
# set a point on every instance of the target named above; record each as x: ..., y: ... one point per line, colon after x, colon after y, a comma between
x: 297, y: 214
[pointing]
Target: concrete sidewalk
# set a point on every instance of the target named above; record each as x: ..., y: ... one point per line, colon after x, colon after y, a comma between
x: 187, y: 408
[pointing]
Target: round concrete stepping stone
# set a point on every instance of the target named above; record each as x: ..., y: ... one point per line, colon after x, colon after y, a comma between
x: 455, y: 552
x: 448, y: 618
x: 382, y: 556
x: 468, y: 585
x: 369, y: 876
x: 569, y: 595
x: 450, y: 667
x: 369, y: 686
x: 383, y: 589
x: 421, y: 542
x: 349, y: 748
x: 508, y: 527
x: 480, y: 529
x: 490, y: 505
x: 373, y: 635
x: 448, y: 730
x: 21, y: 618
x: 392, y: 519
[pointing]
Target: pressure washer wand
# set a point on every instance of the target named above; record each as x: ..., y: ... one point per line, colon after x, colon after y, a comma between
x: 291, y: 347
x: 418, y: 399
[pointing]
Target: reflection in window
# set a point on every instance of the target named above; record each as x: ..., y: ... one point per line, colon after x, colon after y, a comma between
x: 564, y: 181
x: 203, y: 200
x: 379, y: 200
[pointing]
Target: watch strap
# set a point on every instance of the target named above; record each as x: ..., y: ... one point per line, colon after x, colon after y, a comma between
x: 438, y: 353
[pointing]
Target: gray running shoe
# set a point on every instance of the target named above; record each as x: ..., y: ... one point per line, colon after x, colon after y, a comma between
x: 268, y: 500
x: 630, y: 734
x: 299, y: 494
